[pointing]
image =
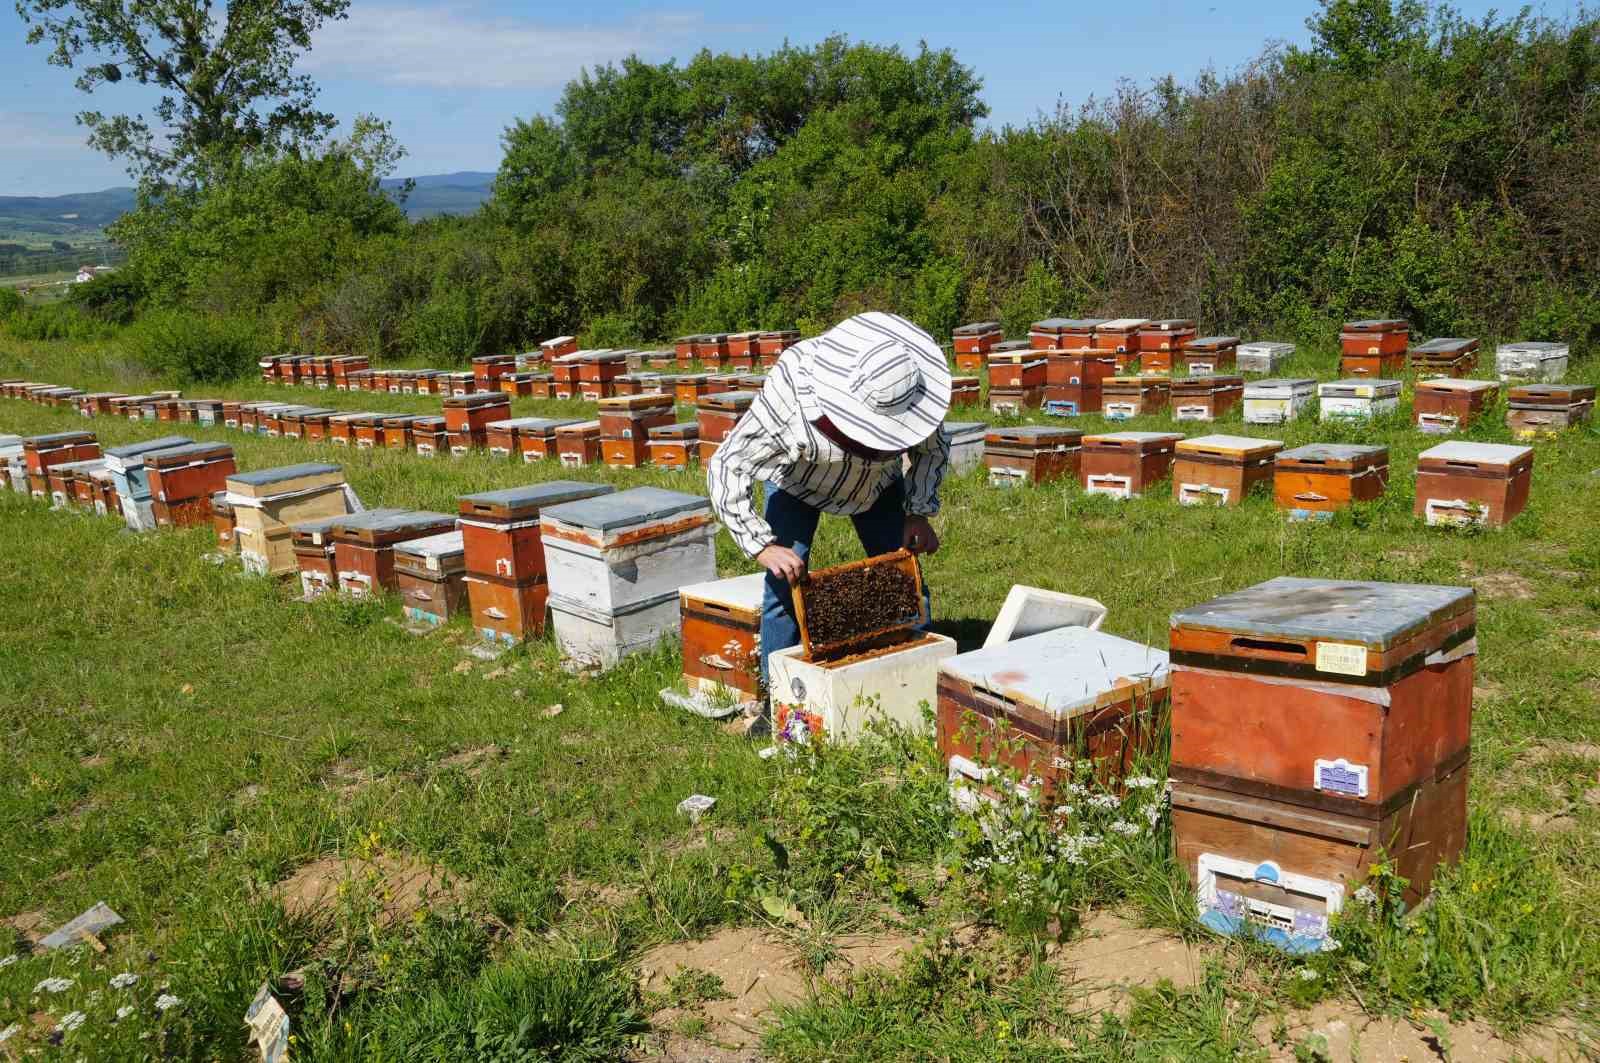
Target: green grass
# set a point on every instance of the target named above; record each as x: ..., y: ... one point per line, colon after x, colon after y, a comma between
x: 180, y: 737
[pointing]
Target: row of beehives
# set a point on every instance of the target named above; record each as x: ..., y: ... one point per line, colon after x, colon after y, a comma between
x: 603, y: 566
x: 1440, y: 405
x: 1370, y: 348
x: 1317, y: 727
x: 631, y: 430
x: 557, y: 369
x: 1456, y: 482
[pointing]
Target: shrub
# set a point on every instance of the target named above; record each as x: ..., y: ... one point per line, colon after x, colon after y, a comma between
x: 111, y: 297
x: 10, y: 302
x: 195, y: 347
x: 55, y: 321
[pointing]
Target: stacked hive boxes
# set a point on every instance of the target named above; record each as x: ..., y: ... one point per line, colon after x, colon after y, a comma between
x: 1358, y: 399
x: 1073, y: 380
x: 598, y: 372
x: 132, y: 480
x: 1221, y: 469
x: 616, y: 563
x: 1160, y: 342
x: 467, y: 419
x: 675, y: 446
x: 1318, y: 727
x: 1017, y: 381
x: 973, y: 342
x: 536, y: 436
x: 1445, y: 405
x: 1205, y: 398
x: 39, y: 453
x: 13, y: 467
x: 1473, y: 483
x: 1446, y: 356
x: 1031, y: 454
x: 504, y: 558
x: 1531, y: 360
x: 430, y: 574
x: 578, y: 444
x: 312, y: 541
x: 718, y: 414
x: 1262, y: 356
x: 625, y: 425
x: 1374, y: 348
x: 1277, y: 401
x: 721, y: 623
x: 1548, y: 409
x: 1126, y: 397
x: 364, y: 545
x: 1126, y: 464
x: 266, y: 502
x: 183, y: 479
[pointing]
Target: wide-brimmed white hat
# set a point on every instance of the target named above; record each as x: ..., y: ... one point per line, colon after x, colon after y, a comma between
x: 881, y: 380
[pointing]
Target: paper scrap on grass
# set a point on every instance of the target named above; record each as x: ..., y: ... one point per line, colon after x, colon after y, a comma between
x: 696, y: 805
x: 94, y: 922
x: 701, y: 705
x: 269, y: 1026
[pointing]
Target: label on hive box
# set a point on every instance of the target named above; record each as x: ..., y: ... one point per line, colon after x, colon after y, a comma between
x: 1120, y: 411
x: 1192, y: 413
x: 1202, y: 495
x: 1340, y: 777
x: 1341, y: 658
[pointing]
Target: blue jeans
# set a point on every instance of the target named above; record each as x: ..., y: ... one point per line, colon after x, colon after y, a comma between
x: 881, y: 529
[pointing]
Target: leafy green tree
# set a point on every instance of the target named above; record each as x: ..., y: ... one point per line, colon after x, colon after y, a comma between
x: 226, y: 75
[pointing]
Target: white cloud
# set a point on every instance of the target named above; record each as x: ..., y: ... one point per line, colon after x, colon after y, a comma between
x: 463, y: 48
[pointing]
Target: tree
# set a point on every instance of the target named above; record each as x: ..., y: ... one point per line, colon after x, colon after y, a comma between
x: 228, y: 79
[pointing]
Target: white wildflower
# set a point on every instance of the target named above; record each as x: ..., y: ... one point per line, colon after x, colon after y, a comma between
x: 7, y: 961
x: 1306, y: 974
x: 1122, y: 826
x: 1152, y: 814
x: 1141, y: 782
x: 1104, y: 801
x: 9, y: 1032
x: 123, y: 980
x: 70, y: 1021
x: 167, y: 1000
x: 53, y: 985
x: 124, y: 1011
x: 1366, y: 896
x: 1330, y: 944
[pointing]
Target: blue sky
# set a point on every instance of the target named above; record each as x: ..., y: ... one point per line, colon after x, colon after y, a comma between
x: 452, y: 75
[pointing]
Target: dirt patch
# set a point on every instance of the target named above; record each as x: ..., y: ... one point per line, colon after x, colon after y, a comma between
x: 1539, y: 821
x: 399, y: 885
x: 1111, y: 956
x: 1504, y: 585
x: 473, y: 761
x: 97, y: 760
x: 582, y: 891
x: 1486, y: 689
x: 757, y: 971
x: 1540, y: 752
x: 31, y: 925
x: 346, y: 777
x: 1344, y: 1034
x: 248, y: 793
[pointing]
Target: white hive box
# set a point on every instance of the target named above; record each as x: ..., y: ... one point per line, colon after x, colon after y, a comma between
x: 597, y: 638
x: 1277, y: 401
x: 893, y: 684
x: 1358, y: 399
x: 615, y: 551
x: 16, y: 468
x: 1262, y: 356
x: 1534, y: 361
x: 966, y: 444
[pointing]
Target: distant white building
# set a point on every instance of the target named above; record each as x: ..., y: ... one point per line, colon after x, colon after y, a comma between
x: 89, y: 273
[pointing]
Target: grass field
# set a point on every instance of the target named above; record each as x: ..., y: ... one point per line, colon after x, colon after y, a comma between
x: 437, y: 857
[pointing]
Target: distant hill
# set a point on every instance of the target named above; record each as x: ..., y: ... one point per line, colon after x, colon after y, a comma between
x: 83, y: 213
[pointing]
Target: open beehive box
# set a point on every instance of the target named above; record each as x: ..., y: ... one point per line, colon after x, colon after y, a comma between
x: 860, y: 606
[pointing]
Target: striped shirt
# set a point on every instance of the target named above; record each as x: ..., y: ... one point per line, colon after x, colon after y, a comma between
x: 775, y: 441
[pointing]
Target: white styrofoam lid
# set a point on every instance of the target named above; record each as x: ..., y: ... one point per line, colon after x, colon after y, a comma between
x: 1118, y: 324
x: 743, y: 592
x: 442, y: 545
x: 1136, y: 437
x: 1277, y: 384
x: 1450, y: 383
x: 1032, y: 610
x: 1061, y: 671
x: 1264, y: 346
x: 1459, y: 450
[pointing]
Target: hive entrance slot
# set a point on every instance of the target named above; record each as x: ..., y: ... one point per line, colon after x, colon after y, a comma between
x: 1286, y: 649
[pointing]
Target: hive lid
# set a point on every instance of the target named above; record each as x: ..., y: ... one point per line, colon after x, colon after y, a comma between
x: 1011, y: 345
x: 578, y: 428
x: 693, y: 378
x: 1211, y: 343
x: 558, y: 341
x: 1448, y: 383
x: 1136, y: 438
x: 740, y: 592
x: 680, y: 430
x: 1280, y: 384
x: 55, y: 439
x: 626, y: 403
x: 494, y: 359
x: 1552, y: 394
x: 317, y: 532
x: 478, y: 398
x: 1266, y: 346
x: 1335, y: 453
x: 422, y: 424
x: 606, y: 356
x: 310, y: 411
x: 1136, y: 382
x: 396, y: 420
x: 619, y: 510
x: 1445, y: 345
x: 1377, y: 324
x: 781, y: 334
x: 138, y: 450
x: 1233, y: 446
x: 445, y: 544
x: 729, y: 400
x: 1018, y: 356
x: 959, y: 430
x: 352, y: 418
x: 1123, y: 324
x: 1541, y: 347
x: 1365, y: 389
x: 187, y: 453
x: 518, y: 424
x: 381, y: 525
x: 306, y: 475
x: 1170, y: 324
x: 1064, y: 672
x: 977, y: 328
x: 1375, y: 615
x: 529, y: 500
x: 1207, y: 382
x: 1474, y: 453
x: 1034, y: 434
x: 86, y: 466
